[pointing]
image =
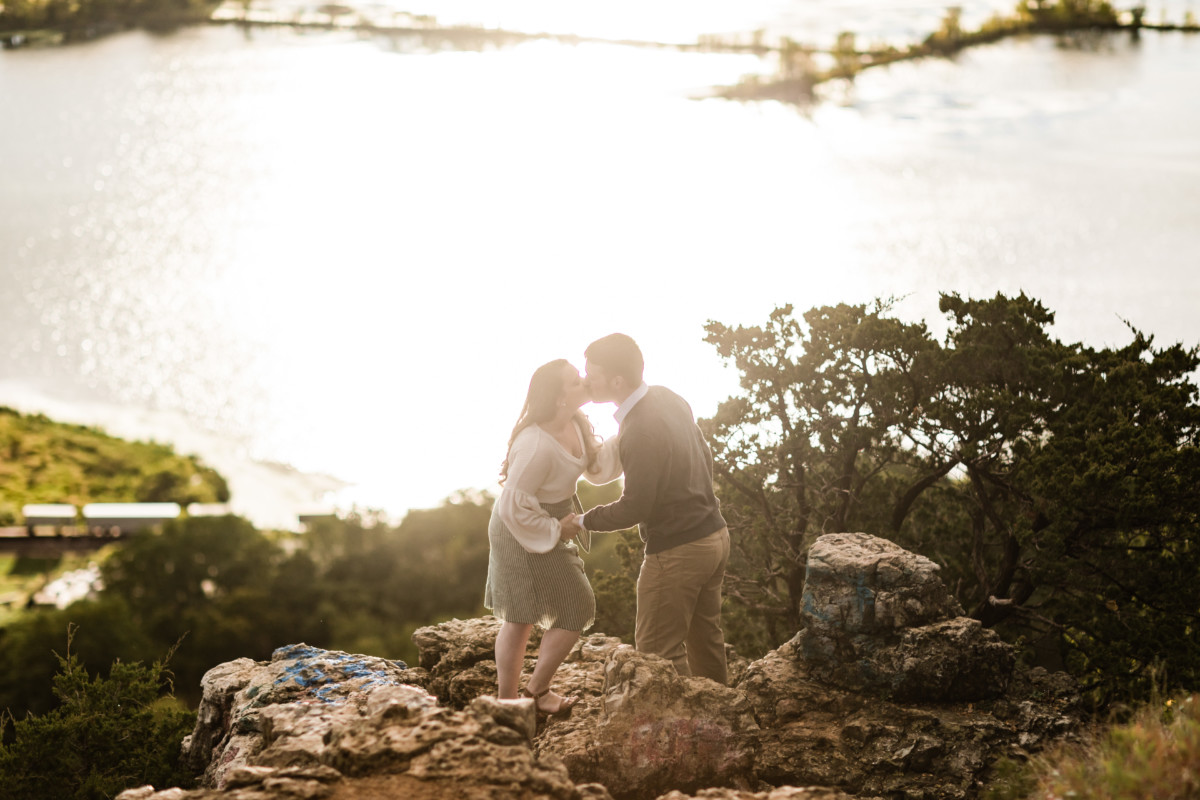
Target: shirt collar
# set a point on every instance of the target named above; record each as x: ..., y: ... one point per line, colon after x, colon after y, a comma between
x: 631, y: 401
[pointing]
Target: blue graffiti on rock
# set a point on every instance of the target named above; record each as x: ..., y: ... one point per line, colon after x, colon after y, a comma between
x: 323, y: 673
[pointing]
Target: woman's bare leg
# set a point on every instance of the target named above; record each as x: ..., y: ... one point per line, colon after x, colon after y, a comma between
x: 556, y: 644
x: 510, y: 657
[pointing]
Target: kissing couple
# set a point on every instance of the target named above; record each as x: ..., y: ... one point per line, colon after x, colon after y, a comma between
x: 535, y: 574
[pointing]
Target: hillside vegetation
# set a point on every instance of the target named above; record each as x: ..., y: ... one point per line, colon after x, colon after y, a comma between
x: 43, y: 461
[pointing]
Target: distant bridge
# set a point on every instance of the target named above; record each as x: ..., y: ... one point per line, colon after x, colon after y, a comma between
x: 18, y: 541
x: 52, y: 529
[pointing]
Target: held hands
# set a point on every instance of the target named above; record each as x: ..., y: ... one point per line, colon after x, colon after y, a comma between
x: 569, y: 527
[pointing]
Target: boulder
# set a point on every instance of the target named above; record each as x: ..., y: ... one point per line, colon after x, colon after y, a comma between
x: 957, y: 659
x: 856, y: 583
x: 460, y: 656
x: 879, y: 619
x: 813, y: 733
x: 652, y: 731
x: 816, y: 734
x: 241, y: 699
x: 312, y: 724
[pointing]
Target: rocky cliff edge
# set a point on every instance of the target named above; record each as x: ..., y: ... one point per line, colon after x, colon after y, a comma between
x: 887, y: 692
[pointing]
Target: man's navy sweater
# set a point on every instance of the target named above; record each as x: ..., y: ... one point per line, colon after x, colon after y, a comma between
x: 668, y: 476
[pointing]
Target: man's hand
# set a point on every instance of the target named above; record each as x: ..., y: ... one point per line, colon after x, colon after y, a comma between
x: 570, y: 527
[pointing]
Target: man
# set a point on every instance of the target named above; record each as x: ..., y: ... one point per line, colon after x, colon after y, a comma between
x: 668, y: 493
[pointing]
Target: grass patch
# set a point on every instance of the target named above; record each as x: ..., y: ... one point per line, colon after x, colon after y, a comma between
x: 1153, y: 756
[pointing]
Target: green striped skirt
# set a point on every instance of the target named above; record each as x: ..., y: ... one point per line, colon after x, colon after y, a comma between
x: 546, y: 589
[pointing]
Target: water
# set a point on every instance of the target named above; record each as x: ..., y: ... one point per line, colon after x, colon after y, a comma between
x: 276, y: 249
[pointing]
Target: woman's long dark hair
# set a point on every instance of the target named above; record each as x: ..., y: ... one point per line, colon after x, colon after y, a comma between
x: 541, y: 404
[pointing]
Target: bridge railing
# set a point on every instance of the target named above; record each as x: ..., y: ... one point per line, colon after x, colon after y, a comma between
x: 64, y: 520
x: 53, y: 515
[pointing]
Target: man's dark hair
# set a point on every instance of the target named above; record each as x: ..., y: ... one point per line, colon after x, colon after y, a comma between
x: 618, y: 354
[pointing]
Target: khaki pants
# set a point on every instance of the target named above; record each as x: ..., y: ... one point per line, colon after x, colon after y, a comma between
x: 679, y: 606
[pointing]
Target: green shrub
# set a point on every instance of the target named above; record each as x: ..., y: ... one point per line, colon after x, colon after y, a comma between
x: 28, y: 664
x: 1154, y: 756
x: 107, y: 735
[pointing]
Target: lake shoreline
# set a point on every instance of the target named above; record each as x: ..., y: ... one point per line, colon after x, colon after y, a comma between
x: 800, y: 68
x: 1043, y: 19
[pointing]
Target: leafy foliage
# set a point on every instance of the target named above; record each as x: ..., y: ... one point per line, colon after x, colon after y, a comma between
x: 613, y: 567
x: 1151, y: 757
x: 826, y: 414
x: 223, y: 587
x: 84, y: 17
x: 104, y: 631
x: 42, y: 461
x: 379, y: 583
x: 616, y: 589
x: 107, y: 735
x: 1053, y: 482
x: 215, y: 585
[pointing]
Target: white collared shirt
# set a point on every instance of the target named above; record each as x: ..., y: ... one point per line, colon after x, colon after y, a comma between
x: 619, y: 415
x: 629, y: 402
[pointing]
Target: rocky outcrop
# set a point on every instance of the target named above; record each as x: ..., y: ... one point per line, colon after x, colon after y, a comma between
x: 879, y: 619
x: 638, y: 729
x: 782, y: 793
x: 888, y: 692
x: 276, y: 713
x: 459, y: 656
x: 817, y: 734
x: 313, y: 724
x: 652, y: 731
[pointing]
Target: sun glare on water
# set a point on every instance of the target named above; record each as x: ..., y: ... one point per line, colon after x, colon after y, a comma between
x: 341, y: 255
x: 672, y: 21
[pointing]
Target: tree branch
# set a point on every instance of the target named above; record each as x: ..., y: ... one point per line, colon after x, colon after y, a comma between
x: 905, y: 503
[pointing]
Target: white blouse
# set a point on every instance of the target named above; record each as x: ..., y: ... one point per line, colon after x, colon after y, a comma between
x: 541, y: 470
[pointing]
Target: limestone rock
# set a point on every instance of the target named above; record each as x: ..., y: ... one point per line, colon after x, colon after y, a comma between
x: 213, y: 720
x: 817, y: 734
x: 1042, y: 706
x: 781, y: 793
x: 323, y: 725
x: 878, y: 618
x: 957, y: 659
x: 240, y: 698
x: 652, y: 731
x: 888, y: 692
x: 857, y: 583
x: 254, y: 783
x: 460, y: 656
x: 736, y: 665
x: 452, y: 646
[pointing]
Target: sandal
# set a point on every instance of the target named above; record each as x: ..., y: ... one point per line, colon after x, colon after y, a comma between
x: 564, y: 705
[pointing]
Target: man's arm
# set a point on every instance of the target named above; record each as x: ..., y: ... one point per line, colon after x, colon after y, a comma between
x: 644, y: 458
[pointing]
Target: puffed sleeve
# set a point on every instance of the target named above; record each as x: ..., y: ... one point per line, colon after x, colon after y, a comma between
x: 519, y: 509
x: 608, y: 463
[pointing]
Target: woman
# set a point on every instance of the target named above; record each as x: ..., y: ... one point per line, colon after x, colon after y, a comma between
x: 533, y: 577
